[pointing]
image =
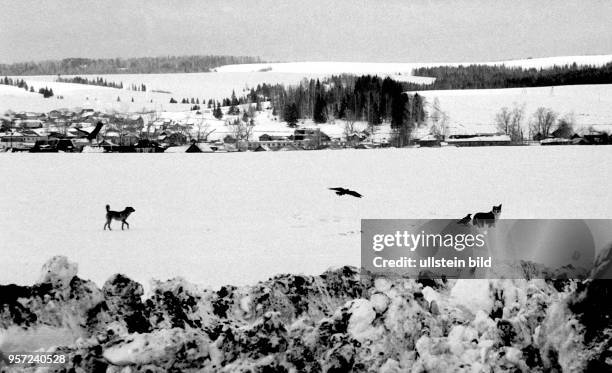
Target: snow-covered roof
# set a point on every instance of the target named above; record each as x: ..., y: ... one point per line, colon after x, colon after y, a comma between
x: 502, y: 138
x: 289, y: 147
x: 205, y: 147
x: 262, y: 148
x: 471, y: 129
x: 177, y: 149
x: 39, y: 131
x: 11, y: 134
x: 555, y: 140
x: 428, y: 138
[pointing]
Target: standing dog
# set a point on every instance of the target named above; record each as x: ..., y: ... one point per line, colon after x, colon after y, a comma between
x: 117, y: 215
x: 487, y: 218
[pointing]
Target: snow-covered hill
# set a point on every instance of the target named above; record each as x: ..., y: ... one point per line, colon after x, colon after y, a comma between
x: 590, y: 105
x: 406, y: 68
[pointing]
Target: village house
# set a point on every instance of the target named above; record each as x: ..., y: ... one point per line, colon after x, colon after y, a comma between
x: 128, y: 139
x: 261, y: 148
x: 458, y: 134
x: 311, y: 138
x: 29, y: 115
x: 28, y: 123
x: 596, y: 137
x: 21, y: 139
x: 478, y: 140
x: 270, y: 142
x: 355, y: 138
x: 172, y: 138
x: 429, y: 141
x: 148, y: 146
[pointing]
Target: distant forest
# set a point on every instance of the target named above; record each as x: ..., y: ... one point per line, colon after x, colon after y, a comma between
x: 141, y: 65
x: 483, y: 76
x: 96, y: 81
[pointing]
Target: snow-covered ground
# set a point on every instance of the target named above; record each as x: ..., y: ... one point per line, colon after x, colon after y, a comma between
x: 241, y: 217
x: 197, y: 85
x: 406, y: 68
x: 160, y: 88
x: 81, y: 96
x: 590, y: 104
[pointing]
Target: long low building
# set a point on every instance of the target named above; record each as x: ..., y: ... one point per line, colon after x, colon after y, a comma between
x: 488, y: 140
x: 16, y: 139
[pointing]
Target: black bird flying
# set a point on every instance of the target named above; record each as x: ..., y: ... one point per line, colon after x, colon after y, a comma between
x: 342, y: 191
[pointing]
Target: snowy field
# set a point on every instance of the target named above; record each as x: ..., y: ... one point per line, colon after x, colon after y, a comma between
x: 238, y: 218
x: 216, y: 85
x: 202, y: 85
x: 406, y: 68
x: 81, y: 96
x: 590, y: 104
x: 177, y: 86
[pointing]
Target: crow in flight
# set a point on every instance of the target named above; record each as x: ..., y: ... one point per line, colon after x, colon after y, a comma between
x: 343, y: 191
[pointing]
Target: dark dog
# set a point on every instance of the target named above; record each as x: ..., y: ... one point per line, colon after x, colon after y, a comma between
x: 487, y: 218
x: 117, y: 215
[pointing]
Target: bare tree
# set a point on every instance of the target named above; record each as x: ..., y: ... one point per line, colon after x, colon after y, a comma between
x: 518, y: 114
x: 510, y: 122
x: 515, y: 130
x: 240, y: 130
x: 233, y: 126
x: 542, y: 122
x: 349, y: 124
x: 503, y: 119
x: 183, y: 129
x: 203, y: 129
x: 150, y: 117
x: 439, y: 120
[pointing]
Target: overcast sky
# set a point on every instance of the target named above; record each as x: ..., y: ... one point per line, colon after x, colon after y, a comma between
x: 287, y: 30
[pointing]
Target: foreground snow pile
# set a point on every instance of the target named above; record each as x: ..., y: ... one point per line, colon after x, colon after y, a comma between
x: 336, y: 322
